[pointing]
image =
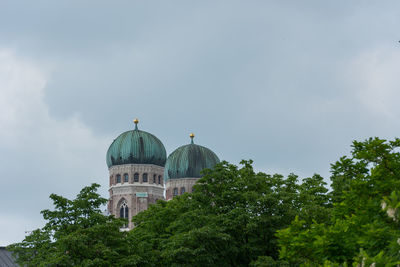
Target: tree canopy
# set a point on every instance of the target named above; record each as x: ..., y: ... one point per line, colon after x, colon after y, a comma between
x: 229, y: 220
x: 76, y: 234
x: 239, y: 217
x: 363, y: 227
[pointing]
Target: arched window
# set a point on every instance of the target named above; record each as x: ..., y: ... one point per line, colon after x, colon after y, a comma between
x: 124, y: 212
x: 126, y: 178
x: 136, y: 177
x: 182, y: 190
x: 118, y: 178
x: 175, y: 193
x: 154, y: 178
x: 144, y: 177
x: 159, y: 179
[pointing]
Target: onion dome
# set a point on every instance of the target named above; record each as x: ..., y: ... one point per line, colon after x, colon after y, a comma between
x: 136, y: 147
x: 188, y: 161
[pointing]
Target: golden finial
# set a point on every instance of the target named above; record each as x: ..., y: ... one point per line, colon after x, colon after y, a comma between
x: 136, y: 121
x: 191, y: 137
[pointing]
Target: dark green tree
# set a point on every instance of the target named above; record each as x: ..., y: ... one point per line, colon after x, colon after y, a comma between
x: 229, y: 220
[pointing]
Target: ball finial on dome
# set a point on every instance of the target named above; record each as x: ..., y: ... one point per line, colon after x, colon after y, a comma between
x: 191, y: 137
x: 136, y: 121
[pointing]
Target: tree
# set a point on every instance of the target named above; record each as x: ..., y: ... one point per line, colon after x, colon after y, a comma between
x: 359, y: 230
x: 229, y: 220
x: 76, y: 234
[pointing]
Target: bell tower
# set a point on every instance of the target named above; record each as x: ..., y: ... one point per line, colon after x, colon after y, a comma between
x: 184, y: 165
x: 136, y: 161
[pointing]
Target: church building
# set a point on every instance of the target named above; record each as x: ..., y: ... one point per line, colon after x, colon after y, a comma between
x: 141, y: 173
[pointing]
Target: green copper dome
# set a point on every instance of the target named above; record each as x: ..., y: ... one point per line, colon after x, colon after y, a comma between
x: 188, y: 161
x: 136, y: 147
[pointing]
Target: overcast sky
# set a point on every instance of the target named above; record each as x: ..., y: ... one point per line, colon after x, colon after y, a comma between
x: 288, y: 84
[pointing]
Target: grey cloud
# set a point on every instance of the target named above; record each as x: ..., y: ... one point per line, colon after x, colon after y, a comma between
x: 267, y: 80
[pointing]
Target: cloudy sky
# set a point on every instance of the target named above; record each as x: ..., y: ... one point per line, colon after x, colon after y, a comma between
x: 288, y: 84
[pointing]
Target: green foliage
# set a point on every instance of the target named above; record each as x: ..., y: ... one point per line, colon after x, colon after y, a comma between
x: 358, y: 230
x: 238, y: 217
x: 266, y: 261
x: 76, y: 234
x: 229, y: 220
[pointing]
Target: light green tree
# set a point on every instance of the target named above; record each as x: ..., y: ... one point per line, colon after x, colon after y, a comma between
x: 76, y: 234
x: 359, y: 230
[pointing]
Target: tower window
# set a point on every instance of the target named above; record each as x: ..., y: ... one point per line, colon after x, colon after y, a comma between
x: 118, y: 178
x: 175, y: 193
x: 182, y: 190
x: 126, y: 178
x: 159, y: 179
x: 154, y: 178
x: 136, y: 177
x: 124, y: 211
x: 144, y: 177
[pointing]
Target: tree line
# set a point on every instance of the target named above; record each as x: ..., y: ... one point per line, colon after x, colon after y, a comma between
x: 239, y: 217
